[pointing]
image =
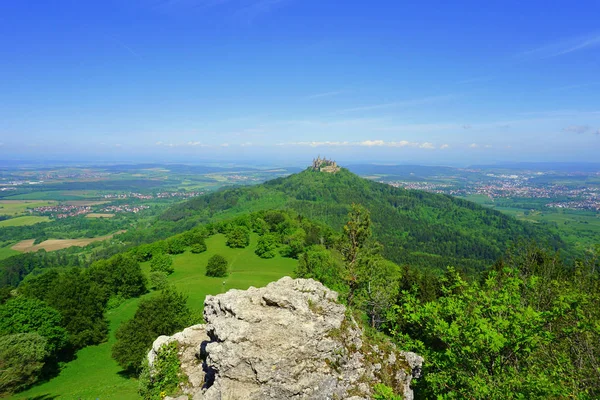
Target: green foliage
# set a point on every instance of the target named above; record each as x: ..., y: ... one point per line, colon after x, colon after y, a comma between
x: 317, y: 262
x: 21, y: 360
x: 217, y: 266
x: 163, y: 263
x: 267, y: 244
x: 383, y: 392
x: 238, y: 237
x: 522, y: 332
x: 163, y: 314
x: 199, y: 247
x: 164, y: 376
x: 81, y: 303
x: 120, y: 275
x: 158, y: 280
x: 175, y: 245
x: 23, y: 315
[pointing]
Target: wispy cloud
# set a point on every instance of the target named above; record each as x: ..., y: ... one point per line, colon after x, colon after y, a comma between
x: 578, y: 129
x: 257, y: 8
x: 474, y: 145
x: 564, y: 46
x: 325, y: 94
x: 124, y: 46
x: 398, y: 104
x: 364, y: 143
x: 475, y: 80
x: 444, y: 146
x: 570, y: 87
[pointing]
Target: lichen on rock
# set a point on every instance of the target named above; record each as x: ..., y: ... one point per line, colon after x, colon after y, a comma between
x: 289, y: 340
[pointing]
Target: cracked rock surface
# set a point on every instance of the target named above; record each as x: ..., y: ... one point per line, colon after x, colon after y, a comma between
x: 288, y: 340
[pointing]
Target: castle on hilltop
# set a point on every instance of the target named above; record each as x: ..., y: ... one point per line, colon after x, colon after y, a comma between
x: 324, y: 165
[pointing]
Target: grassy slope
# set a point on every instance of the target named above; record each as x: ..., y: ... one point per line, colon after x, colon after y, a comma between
x: 94, y: 374
x: 6, y: 252
x: 21, y: 221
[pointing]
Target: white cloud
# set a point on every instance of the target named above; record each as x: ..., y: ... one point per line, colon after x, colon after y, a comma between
x: 488, y: 146
x: 370, y: 143
x: 473, y: 145
x: 427, y: 145
x: 444, y: 146
x: 225, y: 145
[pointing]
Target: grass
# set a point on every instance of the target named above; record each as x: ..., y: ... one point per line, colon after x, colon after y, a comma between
x: 6, y: 252
x: 14, y: 208
x: 99, y: 215
x: 94, y: 374
x: 22, y: 221
x: 58, y: 244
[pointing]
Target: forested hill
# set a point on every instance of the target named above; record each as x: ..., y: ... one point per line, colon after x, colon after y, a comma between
x: 415, y: 227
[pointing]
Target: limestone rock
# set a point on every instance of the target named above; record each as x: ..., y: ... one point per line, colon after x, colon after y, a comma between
x: 288, y: 340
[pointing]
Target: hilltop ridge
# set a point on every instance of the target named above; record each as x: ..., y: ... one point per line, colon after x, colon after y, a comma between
x: 415, y: 227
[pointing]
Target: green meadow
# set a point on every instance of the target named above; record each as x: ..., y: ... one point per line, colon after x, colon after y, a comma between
x: 22, y: 221
x: 15, y: 208
x: 95, y: 375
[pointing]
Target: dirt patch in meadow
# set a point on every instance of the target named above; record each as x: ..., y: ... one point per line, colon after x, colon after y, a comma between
x: 27, y: 246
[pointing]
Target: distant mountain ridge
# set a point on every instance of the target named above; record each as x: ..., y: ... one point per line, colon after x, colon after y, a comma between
x: 415, y: 227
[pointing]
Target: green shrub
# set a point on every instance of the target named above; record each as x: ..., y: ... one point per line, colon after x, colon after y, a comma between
x: 162, y: 314
x: 267, y: 244
x: 238, y: 237
x: 21, y: 360
x: 198, y: 248
x: 162, y: 379
x: 162, y: 263
x: 217, y: 266
x: 158, y: 280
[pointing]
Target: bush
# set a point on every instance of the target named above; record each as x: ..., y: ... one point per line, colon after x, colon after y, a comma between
x: 266, y: 246
x: 163, y: 314
x: 199, y: 247
x: 162, y: 263
x: 158, y: 280
x: 238, y: 237
x: 164, y: 375
x: 21, y: 360
x: 175, y: 245
x: 23, y: 315
x: 217, y: 266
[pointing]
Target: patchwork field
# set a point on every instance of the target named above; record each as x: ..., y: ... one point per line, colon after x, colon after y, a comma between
x: 19, y: 207
x: 58, y: 244
x: 22, y: 221
x: 95, y: 375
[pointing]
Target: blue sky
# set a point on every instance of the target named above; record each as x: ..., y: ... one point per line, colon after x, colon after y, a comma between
x: 381, y: 81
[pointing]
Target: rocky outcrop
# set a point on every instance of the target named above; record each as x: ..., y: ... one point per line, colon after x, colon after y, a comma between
x: 288, y: 340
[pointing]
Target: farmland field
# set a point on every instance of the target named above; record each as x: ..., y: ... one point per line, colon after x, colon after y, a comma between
x: 57, y: 244
x: 94, y: 374
x: 19, y: 207
x: 22, y: 221
x: 99, y: 215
